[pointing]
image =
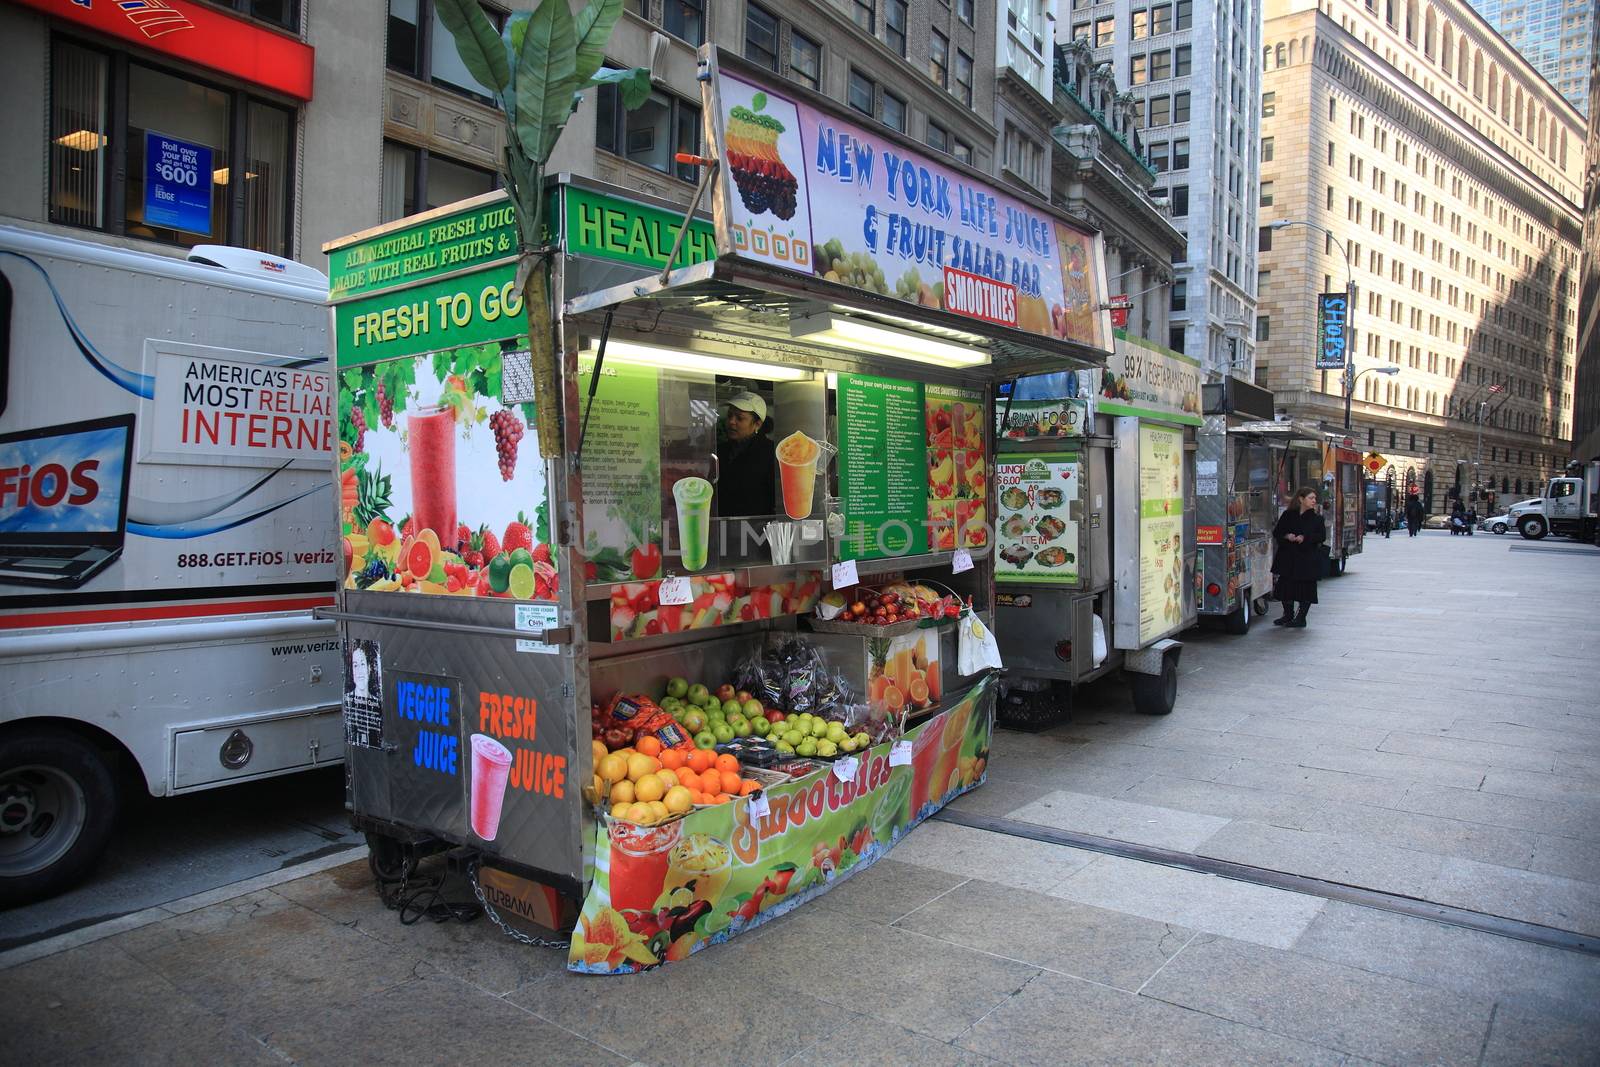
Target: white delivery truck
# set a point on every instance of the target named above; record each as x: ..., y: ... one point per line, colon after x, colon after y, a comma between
x: 1570, y: 506
x: 166, y: 531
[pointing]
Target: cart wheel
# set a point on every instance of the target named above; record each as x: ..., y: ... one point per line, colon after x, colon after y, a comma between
x: 1237, y: 621
x: 1335, y: 567
x: 1155, y: 694
x: 1262, y: 605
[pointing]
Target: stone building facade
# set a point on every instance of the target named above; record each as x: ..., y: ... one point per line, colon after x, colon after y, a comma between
x: 1412, y: 137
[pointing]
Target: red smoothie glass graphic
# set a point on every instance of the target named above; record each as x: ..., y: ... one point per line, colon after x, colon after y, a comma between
x: 640, y: 856
x: 431, y: 439
x: 491, y: 766
x: 925, y: 751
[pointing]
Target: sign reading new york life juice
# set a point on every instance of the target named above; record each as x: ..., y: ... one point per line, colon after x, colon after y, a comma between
x: 812, y: 192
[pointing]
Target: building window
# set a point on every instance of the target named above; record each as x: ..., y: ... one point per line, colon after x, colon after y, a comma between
x: 1160, y: 20
x: 432, y: 56
x: 1023, y: 156
x: 1158, y: 156
x: 1160, y: 65
x: 415, y: 179
x: 284, y: 14
x: 1269, y: 105
x: 247, y: 205
x: 652, y: 133
x: 894, y: 112
x: 1180, y: 201
x: 805, y: 60
x: 964, y: 11
x: 865, y: 14
x: 963, y: 77
x: 1105, y: 32
x: 861, y: 93
x: 1180, y: 154
x: 894, y: 25
x: 939, y: 59
x: 1160, y: 110
x: 1141, y: 25
x: 1180, y: 295
x: 1267, y: 145
x: 1080, y: 31
x: 1185, y: 14
x: 1183, y: 61
x: 1264, y: 239
x: 1263, y: 328
x: 1175, y: 337
x: 1138, y: 69
x: 761, y: 36
x: 938, y: 137
x: 1266, y: 194
x: 1180, y: 106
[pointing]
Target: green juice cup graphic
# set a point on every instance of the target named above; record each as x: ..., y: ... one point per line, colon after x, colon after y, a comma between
x: 693, y: 499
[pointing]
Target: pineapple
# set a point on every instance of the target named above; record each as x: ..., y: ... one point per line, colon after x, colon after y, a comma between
x: 878, y: 650
x: 372, y: 496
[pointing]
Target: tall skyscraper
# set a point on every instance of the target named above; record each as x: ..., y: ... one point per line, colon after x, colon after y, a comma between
x: 1194, y: 70
x: 1586, y: 409
x: 1416, y: 158
x: 1553, y: 35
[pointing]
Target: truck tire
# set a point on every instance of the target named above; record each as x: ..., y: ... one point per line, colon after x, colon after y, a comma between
x: 1533, y: 527
x: 1155, y: 694
x: 58, y: 803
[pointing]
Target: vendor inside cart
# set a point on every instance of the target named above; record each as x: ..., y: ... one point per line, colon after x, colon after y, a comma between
x: 747, y: 461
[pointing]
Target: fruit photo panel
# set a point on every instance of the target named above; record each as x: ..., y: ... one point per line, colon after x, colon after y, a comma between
x: 442, y: 489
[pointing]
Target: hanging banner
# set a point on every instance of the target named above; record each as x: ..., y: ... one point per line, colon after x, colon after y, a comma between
x: 1333, y: 316
x: 810, y: 191
x: 1160, y: 531
x: 662, y: 893
x: 1148, y: 381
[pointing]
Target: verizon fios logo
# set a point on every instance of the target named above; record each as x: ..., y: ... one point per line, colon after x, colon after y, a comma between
x: 155, y: 18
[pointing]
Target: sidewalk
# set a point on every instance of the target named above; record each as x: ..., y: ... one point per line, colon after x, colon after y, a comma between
x: 968, y: 947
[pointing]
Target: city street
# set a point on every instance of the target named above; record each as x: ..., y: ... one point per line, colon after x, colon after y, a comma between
x: 1432, y: 736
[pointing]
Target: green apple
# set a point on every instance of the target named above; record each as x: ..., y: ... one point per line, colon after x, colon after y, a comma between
x: 742, y: 728
x: 677, y: 687
x: 794, y: 737
x: 752, y: 708
x: 677, y: 712
x: 723, y: 731
x: 705, y: 739
x: 848, y: 745
x: 827, y: 749
x: 784, y: 747
x: 807, y: 748
x: 732, y: 707
x: 819, y: 728
x: 699, y: 695
x: 694, y: 721
x: 761, y: 726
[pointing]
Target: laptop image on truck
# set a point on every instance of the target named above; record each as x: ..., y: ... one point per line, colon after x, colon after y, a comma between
x: 63, y: 501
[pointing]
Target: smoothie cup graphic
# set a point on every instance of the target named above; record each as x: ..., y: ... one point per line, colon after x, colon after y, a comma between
x: 491, y: 766
x: 639, y: 861
x: 431, y: 439
x: 693, y: 498
x: 797, y: 469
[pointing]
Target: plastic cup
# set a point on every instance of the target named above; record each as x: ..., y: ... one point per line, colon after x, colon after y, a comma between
x: 491, y: 766
x: 639, y: 860
x: 797, y: 470
x: 431, y: 441
x: 693, y: 499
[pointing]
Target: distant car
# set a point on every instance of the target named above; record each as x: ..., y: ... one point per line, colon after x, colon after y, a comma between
x: 1436, y: 522
x: 1498, y: 524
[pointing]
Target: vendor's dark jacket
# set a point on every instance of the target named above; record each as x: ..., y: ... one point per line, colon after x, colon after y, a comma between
x: 747, y: 477
x: 1301, y: 561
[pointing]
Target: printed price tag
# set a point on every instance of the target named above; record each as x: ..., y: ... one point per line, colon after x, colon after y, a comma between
x: 844, y: 768
x: 675, y: 591
x: 759, y: 805
x: 900, y: 754
x: 961, y: 562
x: 844, y: 574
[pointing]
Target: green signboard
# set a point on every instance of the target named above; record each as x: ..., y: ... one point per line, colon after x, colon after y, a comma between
x: 445, y: 244
x: 883, y: 467
x: 603, y: 227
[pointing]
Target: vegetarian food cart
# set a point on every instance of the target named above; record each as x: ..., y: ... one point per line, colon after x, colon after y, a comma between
x: 588, y: 675
x: 1236, y: 505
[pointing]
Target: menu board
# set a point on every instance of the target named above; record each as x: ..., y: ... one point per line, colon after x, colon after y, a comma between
x: 1160, y: 530
x: 622, y: 473
x: 883, y: 483
x: 958, y: 475
x: 1037, y: 538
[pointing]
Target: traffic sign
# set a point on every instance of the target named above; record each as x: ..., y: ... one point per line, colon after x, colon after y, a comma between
x: 1375, y: 463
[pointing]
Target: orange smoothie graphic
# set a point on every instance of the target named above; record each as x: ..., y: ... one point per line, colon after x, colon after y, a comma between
x: 431, y: 439
x: 639, y: 858
x: 797, y: 468
x: 491, y: 766
x: 702, y: 861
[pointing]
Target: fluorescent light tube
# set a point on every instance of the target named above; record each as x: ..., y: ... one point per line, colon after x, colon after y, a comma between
x: 873, y: 338
x: 679, y: 359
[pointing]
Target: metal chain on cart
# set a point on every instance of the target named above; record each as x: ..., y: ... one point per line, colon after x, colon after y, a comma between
x: 415, y: 902
x: 506, y: 928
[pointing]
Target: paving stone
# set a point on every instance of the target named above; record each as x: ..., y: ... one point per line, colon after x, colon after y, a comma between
x: 1566, y: 857
x: 1476, y: 964
x: 1314, y: 782
x: 885, y: 891
x: 1327, y: 1004
x: 1122, y: 820
x: 999, y: 797
x: 1228, y: 801
x: 1500, y: 809
x: 1104, y: 946
x: 1151, y: 760
x: 1396, y: 766
x: 1563, y: 903
x: 1349, y: 859
x: 1536, y: 786
x: 1311, y: 731
x: 1058, y: 1019
x: 870, y: 1042
x: 1519, y: 1037
x: 1422, y: 833
x: 1199, y: 901
x: 1012, y: 861
x: 1467, y: 750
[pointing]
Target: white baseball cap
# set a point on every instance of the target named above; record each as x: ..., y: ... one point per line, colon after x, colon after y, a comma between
x: 748, y: 401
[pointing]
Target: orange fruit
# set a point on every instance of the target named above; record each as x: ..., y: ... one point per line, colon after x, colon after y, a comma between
x: 700, y: 797
x: 672, y: 759
x: 730, y: 782
x: 612, y: 768
x: 668, y: 778
x: 748, y: 786
x: 720, y: 798
x: 727, y: 761
x: 649, y: 788
x: 649, y: 746
x: 622, y: 793
x: 919, y: 692
x: 893, y: 699
x: 700, y: 760
x: 640, y: 765
x: 679, y: 800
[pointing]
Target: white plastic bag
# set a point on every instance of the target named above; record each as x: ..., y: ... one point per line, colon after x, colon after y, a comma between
x: 1099, y: 640
x: 976, y: 648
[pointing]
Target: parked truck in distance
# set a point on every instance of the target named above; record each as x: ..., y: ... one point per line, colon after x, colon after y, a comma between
x: 1568, y: 507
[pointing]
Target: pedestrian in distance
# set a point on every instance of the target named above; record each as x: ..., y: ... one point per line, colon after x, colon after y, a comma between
x: 1299, y: 558
x: 1472, y: 520
x: 1414, y: 515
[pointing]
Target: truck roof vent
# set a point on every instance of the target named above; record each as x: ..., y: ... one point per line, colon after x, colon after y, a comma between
x: 249, y: 261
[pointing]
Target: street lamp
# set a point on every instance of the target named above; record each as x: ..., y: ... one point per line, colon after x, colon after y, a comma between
x: 1350, y: 304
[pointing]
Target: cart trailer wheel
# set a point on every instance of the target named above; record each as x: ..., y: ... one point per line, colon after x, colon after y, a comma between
x: 1237, y: 621
x: 58, y: 803
x: 1156, y: 694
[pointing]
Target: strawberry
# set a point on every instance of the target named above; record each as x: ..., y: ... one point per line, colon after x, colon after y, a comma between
x: 483, y: 584
x: 486, y: 542
x: 646, y: 561
x: 518, y: 535
x: 541, y: 553
x: 463, y: 535
x: 473, y: 557
x: 590, y: 570
x: 405, y: 527
x: 652, y: 627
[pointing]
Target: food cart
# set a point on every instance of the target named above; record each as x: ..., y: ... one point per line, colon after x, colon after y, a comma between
x: 1095, y: 564
x: 1235, y: 504
x: 1343, y: 499
x: 1303, y: 454
x: 594, y: 678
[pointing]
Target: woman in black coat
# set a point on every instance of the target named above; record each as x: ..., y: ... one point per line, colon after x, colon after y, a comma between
x: 1298, y: 561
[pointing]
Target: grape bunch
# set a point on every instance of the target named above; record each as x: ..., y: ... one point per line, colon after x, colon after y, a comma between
x: 385, y: 407
x: 764, y: 184
x: 359, y: 421
x: 508, y: 430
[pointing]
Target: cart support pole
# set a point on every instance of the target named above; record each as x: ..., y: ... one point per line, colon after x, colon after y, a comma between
x: 594, y: 385
x: 708, y: 173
